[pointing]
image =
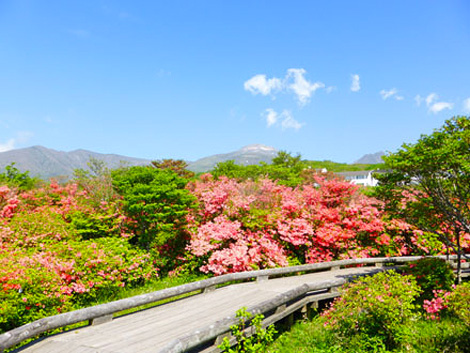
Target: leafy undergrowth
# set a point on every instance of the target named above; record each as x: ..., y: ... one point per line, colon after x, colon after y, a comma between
x: 385, y: 313
x: 422, y: 336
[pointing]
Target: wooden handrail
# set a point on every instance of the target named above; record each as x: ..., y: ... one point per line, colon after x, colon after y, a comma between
x: 35, y: 328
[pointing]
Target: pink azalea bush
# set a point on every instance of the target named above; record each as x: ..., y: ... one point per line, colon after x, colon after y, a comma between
x: 49, y: 264
x: 434, y: 306
x: 247, y: 225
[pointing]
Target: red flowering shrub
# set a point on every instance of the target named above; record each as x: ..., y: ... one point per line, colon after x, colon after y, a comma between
x: 259, y: 224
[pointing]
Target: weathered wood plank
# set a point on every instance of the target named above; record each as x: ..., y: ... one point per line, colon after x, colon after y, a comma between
x: 152, y: 329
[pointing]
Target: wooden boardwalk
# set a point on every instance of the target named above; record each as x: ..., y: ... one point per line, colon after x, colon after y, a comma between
x: 152, y: 330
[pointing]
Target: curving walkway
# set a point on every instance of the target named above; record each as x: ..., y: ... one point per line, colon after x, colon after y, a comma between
x: 158, y: 329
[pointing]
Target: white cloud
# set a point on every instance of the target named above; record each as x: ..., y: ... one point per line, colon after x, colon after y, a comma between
x: 259, y: 84
x: 391, y: 93
x: 294, y: 82
x: 355, y: 83
x: 271, y: 116
x: 466, y: 106
x: 330, y: 89
x: 387, y: 94
x: 432, y: 103
x: 7, y: 146
x: 288, y: 121
x: 301, y: 87
x: 285, y: 119
x: 21, y: 137
x: 419, y: 100
x: 439, y: 106
x: 431, y: 98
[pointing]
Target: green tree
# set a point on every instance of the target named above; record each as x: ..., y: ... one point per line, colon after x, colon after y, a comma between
x: 285, y: 169
x: 96, y: 181
x: 12, y: 176
x: 429, y: 183
x: 157, y: 203
x: 177, y: 165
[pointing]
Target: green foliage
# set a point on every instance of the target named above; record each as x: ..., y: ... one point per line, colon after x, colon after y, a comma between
x: 96, y: 182
x: 257, y: 342
x: 431, y: 274
x: 285, y: 169
x: 420, y: 336
x: 176, y: 165
x: 13, y: 177
x: 375, y: 306
x: 429, y: 183
x: 156, y: 202
x: 459, y: 303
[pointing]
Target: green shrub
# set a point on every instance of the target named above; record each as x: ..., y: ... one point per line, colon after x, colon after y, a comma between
x: 459, y: 302
x: 375, y: 306
x: 431, y: 274
x: 257, y: 342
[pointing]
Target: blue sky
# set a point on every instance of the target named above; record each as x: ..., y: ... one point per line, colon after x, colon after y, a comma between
x: 186, y: 79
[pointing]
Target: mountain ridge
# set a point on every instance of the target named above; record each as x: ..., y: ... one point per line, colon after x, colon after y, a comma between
x: 250, y: 154
x: 46, y: 162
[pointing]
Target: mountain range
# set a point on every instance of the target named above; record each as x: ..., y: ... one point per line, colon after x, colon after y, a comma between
x: 46, y: 163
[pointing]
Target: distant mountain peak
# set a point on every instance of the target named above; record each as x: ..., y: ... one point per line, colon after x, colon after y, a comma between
x: 372, y: 158
x: 248, y: 155
x: 258, y: 147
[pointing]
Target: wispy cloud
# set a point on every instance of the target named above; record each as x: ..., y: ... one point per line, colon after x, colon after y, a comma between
x: 260, y: 84
x: 7, y: 146
x: 419, y: 100
x: 431, y: 98
x: 21, y: 137
x: 294, y: 82
x: 440, y: 106
x: 432, y: 103
x: 466, y: 106
x: 355, y: 83
x: 285, y: 119
x: 330, y: 89
x: 301, y: 86
x: 271, y: 117
x: 288, y: 121
x: 391, y: 93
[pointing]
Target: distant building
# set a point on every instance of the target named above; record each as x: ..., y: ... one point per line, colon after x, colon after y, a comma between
x: 362, y: 177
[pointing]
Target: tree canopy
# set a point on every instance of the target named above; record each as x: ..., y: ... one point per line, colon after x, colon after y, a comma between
x: 428, y: 183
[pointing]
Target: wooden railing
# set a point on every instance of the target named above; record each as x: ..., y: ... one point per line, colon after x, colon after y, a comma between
x: 104, y: 312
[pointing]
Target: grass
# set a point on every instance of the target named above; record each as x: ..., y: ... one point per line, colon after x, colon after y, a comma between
x: 422, y: 336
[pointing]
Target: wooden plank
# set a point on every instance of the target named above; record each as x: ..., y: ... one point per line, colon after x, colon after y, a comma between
x: 151, y: 329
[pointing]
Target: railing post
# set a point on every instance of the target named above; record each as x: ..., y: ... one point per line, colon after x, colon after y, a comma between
x: 261, y: 279
x: 209, y: 289
x: 100, y: 320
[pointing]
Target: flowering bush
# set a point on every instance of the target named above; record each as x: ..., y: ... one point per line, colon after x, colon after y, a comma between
x: 258, y: 224
x: 437, y: 304
x: 432, y: 274
x: 49, y: 264
x: 375, y: 306
x: 458, y: 302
